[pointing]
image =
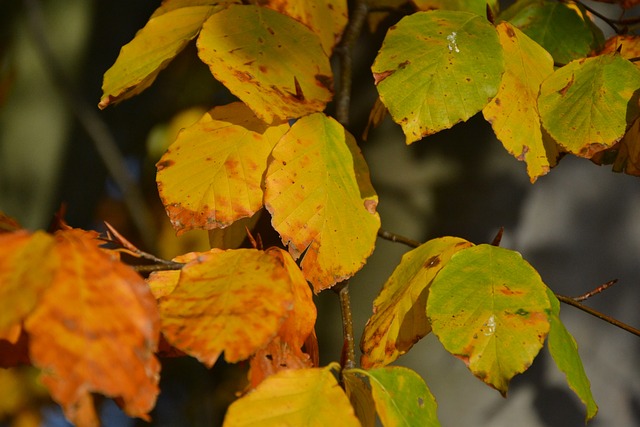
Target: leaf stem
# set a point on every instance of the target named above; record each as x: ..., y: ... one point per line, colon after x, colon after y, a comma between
x: 615, y: 322
x: 344, y: 52
x: 348, y: 350
x: 393, y: 237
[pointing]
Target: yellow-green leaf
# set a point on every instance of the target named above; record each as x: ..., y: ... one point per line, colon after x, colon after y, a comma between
x: 303, y: 397
x: 327, y: 18
x: 212, y: 174
x: 436, y: 69
x: 588, y: 105
x: 321, y: 200
x: 401, y: 397
x: 399, y: 312
x: 564, y: 350
x: 513, y: 113
x: 489, y: 307
x: 232, y: 301
x: 168, y: 31
x: 479, y: 7
x: 272, y: 62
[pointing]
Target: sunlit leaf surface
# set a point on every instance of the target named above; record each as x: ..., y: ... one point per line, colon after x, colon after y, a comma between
x: 273, y: 63
x: 479, y: 7
x: 212, y: 174
x: 436, y: 69
x: 588, y: 105
x: 303, y: 397
x: 489, y: 308
x: 513, y: 113
x: 564, y: 350
x: 321, y: 200
x: 399, y: 312
x: 168, y: 31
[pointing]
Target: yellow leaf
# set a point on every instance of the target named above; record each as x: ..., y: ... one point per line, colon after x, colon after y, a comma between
x: 95, y: 330
x: 399, y: 312
x: 232, y: 301
x: 321, y: 200
x: 327, y: 19
x: 270, y: 61
x: 212, y: 174
x: 513, y: 113
x: 168, y: 31
x: 302, y: 397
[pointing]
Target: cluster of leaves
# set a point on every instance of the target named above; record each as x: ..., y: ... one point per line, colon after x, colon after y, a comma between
x: 540, y: 72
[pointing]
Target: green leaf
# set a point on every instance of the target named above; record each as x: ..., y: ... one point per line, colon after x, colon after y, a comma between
x: 399, y: 312
x: 479, y: 7
x: 272, y: 62
x: 436, y: 69
x: 588, y: 105
x: 167, y: 33
x: 319, y: 194
x: 564, y: 350
x: 401, y: 397
x: 562, y: 29
x: 513, y: 113
x: 297, y: 397
x: 212, y: 174
x: 489, y: 308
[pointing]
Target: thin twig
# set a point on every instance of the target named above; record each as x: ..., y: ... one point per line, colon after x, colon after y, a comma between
x: 388, y: 235
x: 596, y: 291
x: 165, y: 266
x: 344, y: 51
x: 95, y: 127
x: 610, y: 22
x: 615, y: 322
x: 349, y: 349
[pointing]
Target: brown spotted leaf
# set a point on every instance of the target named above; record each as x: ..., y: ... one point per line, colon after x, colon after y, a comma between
x: 273, y: 63
x: 321, y: 200
x: 399, y: 312
x: 231, y: 301
x: 212, y: 174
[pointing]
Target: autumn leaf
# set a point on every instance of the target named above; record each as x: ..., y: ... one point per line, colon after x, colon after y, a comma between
x: 8, y: 223
x: 513, y: 113
x: 399, y: 312
x: 436, y: 69
x: 167, y: 33
x: 92, y: 323
x: 318, y: 192
x: 327, y: 19
x: 211, y: 175
x: 233, y: 301
x: 627, y: 45
x: 359, y: 392
x: 479, y: 7
x: 489, y: 308
x: 274, y: 64
x: 625, y: 155
x: 610, y: 85
x: 303, y: 397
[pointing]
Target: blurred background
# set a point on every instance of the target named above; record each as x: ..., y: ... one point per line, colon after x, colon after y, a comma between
x: 579, y: 226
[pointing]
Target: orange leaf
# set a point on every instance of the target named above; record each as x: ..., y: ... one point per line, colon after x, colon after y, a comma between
x: 95, y: 330
x: 27, y: 266
x: 8, y: 223
x: 212, y: 174
x: 233, y: 301
x: 275, y: 357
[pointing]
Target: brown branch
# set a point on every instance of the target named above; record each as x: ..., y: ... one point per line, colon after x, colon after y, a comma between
x: 393, y: 237
x: 596, y: 291
x: 164, y: 266
x: 349, y: 346
x: 94, y: 126
x: 615, y: 322
x: 344, y: 51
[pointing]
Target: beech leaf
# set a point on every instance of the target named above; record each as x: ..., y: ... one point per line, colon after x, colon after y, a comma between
x: 211, y: 175
x: 302, y: 397
x: 399, y: 312
x: 321, y: 200
x: 358, y: 389
x: 513, y: 113
x: 489, y: 308
x: 436, y: 69
x: 95, y: 329
x: 564, y: 350
x: 588, y: 105
x: 233, y: 301
x: 167, y: 33
x: 273, y: 63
